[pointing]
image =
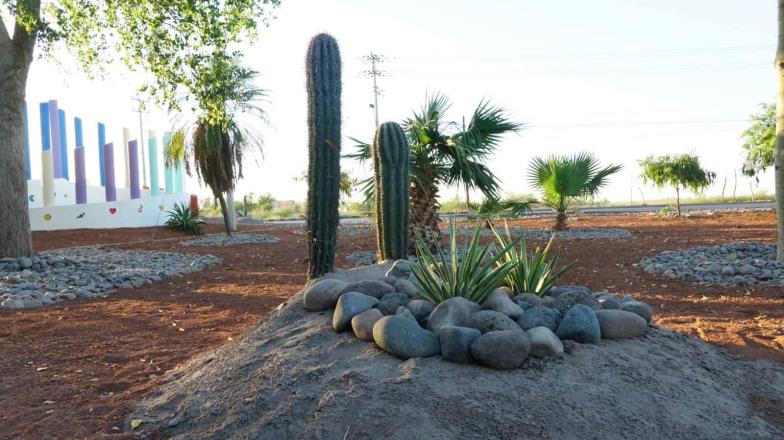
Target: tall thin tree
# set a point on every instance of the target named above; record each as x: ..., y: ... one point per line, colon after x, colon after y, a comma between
x: 780, y: 134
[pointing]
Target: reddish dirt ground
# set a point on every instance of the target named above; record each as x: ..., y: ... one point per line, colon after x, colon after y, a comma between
x: 73, y: 370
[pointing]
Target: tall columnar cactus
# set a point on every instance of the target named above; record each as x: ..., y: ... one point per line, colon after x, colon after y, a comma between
x: 323, y: 84
x: 391, y: 164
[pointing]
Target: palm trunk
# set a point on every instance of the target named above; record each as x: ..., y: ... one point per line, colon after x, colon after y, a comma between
x: 424, y: 213
x: 779, y: 164
x: 560, y: 221
x: 225, y: 211
x: 16, y: 54
x: 232, y: 213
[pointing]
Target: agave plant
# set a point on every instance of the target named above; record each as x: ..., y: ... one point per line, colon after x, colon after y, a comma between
x: 563, y: 180
x: 471, y: 272
x: 531, y: 273
x: 184, y: 219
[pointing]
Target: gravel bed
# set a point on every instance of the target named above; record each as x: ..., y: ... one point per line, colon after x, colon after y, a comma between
x: 569, y: 234
x: 88, y: 272
x: 361, y: 258
x: 224, y: 240
x: 734, y: 263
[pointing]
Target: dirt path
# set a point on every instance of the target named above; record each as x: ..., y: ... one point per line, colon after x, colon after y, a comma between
x: 73, y: 370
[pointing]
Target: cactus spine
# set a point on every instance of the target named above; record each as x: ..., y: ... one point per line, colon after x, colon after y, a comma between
x: 323, y: 86
x: 391, y: 164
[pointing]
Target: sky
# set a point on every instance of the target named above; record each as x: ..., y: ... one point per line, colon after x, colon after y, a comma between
x: 622, y: 79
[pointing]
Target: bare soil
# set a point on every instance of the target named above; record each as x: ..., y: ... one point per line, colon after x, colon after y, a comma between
x: 75, y: 370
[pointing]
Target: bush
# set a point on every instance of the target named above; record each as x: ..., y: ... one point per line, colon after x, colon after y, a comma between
x: 533, y: 273
x: 182, y: 218
x: 471, y: 271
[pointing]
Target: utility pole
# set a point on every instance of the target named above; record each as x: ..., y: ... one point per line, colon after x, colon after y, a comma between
x: 374, y: 60
x: 140, y: 109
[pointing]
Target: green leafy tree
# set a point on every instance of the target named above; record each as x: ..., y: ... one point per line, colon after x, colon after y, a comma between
x: 446, y: 153
x: 759, y: 144
x: 218, y: 140
x: 564, y: 180
x: 680, y: 171
x: 169, y: 40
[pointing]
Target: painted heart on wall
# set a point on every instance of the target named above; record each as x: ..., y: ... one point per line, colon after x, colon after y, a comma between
x: 47, y: 217
x: 112, y: 211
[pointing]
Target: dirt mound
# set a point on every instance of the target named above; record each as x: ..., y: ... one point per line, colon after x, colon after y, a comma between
x: 292, y: 377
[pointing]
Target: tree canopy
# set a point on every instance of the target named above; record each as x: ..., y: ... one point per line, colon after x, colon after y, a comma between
x: 173, y: 41
x: 759, y: 146
x: 679, y: 171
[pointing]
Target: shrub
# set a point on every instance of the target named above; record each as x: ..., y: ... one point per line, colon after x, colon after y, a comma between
x: 472, y: 271
x: 182, y: 218
x: 530, y: 273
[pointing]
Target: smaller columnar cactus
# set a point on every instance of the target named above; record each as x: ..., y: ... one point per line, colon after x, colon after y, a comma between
x: 391, y: 165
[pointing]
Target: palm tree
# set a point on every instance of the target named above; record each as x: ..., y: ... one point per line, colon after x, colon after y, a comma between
x: 441, y: 158
x: 217, y: 140
x: 566, y: 179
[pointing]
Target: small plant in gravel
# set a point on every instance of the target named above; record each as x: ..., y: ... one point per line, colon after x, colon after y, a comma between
x: 471, y: 272
x: 564, y: 180
x: 184, y: 219
x: 531, y: 272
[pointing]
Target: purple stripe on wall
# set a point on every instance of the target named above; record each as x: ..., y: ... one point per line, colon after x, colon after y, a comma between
x: 81, y: 179
x: 108, y: 163
x: 133, y: 165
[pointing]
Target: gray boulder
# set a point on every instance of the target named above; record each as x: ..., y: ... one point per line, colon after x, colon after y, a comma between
x: 618, y: 324
x: 628, y: 298
x: 391, y: 301
x: 567, y: 300
x: 529, y: 298
x: 322, y: 294
x: 524, y: 305
x: 580, y: 325
x: 489, y: 321
x: 374, y: 288
x: 610, y: 302
x: 363, y: 323
x: 404, y: 338
x: 540, y: 317
x: 499, y: 301
x: 548, y: 301
x: 421, y: 309
x: 557, y: 291
x: 404, y: 312
x: 640, y: 308
x: 407, y: 287
x: 451, y: 312
x: 400, y: 269
x: 544, y: 343
x: 502, y: 350
x: 350, y: 304
x: 456, y: 342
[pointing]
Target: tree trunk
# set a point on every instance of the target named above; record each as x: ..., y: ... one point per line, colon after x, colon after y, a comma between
x: 16, y: 54
x: 231, y: 211
x: 779, y: 163
x: 560, y: 221
x: 424, y: 214
x: 678, y: 200
x: 225, y: 211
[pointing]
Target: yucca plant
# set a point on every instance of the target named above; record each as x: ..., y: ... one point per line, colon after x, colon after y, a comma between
x: 529, y: 273
x: 184, y: 219
x: 471, y: 272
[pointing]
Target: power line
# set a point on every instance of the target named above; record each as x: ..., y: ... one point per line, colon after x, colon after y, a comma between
x: 638, y: 123
x: 374, y: 60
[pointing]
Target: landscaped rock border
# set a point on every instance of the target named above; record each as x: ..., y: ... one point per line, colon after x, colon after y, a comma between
x: 225, y: 240
x: 726, y: 264
x: 88, y: 272
x: 501, y: 333
x: 568, y: 234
